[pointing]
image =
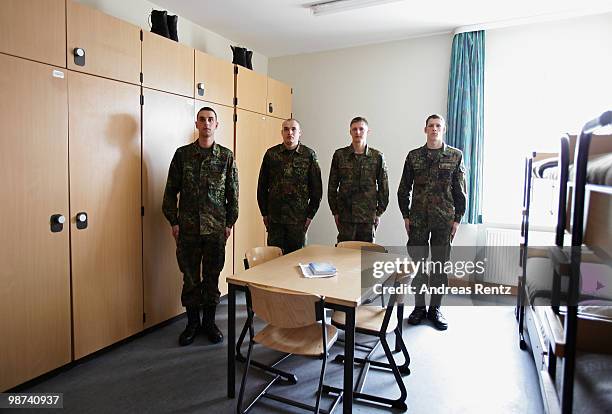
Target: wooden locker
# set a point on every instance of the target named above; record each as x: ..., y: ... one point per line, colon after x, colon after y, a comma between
x: 250, y: 148
x: 111, y: 46
x: 167, y: 65
x: 273, y: 131
x: 35, y: 273
x: 251, y: 89
x: 105, y: 175
x: 214, y: 79
x: 34, y: 29
x: 167, y: 123
x: 279, y: 99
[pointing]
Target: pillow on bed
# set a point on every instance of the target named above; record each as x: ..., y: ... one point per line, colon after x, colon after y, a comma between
x: 540, y: 166
x: 599, y: 170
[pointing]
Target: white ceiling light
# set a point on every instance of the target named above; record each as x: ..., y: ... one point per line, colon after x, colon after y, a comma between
x: 337, y: 6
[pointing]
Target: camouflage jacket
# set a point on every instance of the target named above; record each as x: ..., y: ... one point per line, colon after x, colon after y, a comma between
x: 207, y: 181
x: 289, y: 189
x: 437, y: 183
x: 358, y: 188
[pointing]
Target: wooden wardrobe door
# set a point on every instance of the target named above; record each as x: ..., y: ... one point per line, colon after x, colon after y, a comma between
x: 105, y: 174
x: 279, y: 99
x: 167, y: 65
x: 111, y: 46
x: 167, y: 123
x: 251, y: 89
x: 216, y: 77
x: 35, y: 271
x: 34, y: 29
x: 250, y: 148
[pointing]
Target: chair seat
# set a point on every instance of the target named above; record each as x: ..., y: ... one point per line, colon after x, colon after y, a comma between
x: 299, y: 341
x: 367, y: 318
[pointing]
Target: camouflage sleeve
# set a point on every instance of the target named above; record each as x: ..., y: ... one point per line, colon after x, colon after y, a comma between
x: 332, y: 186
x: 382, y: 181
x: 173, y: 188
x: 231, y: 193
x: 405, y: 188
x: 458, y: 190
x: 315, y: 187
x: 263, y: 186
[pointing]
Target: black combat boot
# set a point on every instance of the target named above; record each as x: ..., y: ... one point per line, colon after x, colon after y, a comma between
x: 193, y: 326
x: 418, y: 314
x: 211, y: 331
x: 172, y: 27
x: 436, y: 318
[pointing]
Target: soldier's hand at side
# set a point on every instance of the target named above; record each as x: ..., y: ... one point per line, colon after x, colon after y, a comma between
x: 175, y: 232
x: 228, y: 232
x: 376, y: 221
x: 454, y: 229
x: 307, y: 223
x: 407, y: 225
x: 265, y: 222
x: 337, y: 221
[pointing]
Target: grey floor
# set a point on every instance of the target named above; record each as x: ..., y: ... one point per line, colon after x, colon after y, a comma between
x: 474, y: 367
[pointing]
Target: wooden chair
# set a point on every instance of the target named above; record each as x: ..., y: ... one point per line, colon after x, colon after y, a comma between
x: 378, y: 321
x: 258, y: 255
x: 359, y: 245
x: 254, y: 257
x: 296, y: 325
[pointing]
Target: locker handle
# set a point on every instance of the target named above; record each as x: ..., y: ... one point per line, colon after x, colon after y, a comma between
x: 201, y: 88
x: 81, y: 220
x: 79, y: 56
x: 270, y: 108
x: 57, y: 222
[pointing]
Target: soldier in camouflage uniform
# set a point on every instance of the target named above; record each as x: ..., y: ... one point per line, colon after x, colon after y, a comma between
x: 435, y: 175
x: 204, y: 174
x: 358, y: 188
x: 289, y: 189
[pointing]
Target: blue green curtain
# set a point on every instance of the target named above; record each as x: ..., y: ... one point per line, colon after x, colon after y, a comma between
x: 465, y: 123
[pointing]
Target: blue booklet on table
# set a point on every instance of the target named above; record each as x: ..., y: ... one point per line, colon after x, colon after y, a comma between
x: 322, y: 268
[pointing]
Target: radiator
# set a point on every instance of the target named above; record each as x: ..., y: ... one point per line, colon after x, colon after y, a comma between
x: 502, y: 254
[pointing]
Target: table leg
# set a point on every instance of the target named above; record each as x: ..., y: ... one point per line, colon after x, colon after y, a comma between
x: 231, y: 341
x: 349, y: 359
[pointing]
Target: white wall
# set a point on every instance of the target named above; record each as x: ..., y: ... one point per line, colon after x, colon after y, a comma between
x: 541, y: 81
x: 137, y: 12
x: 394, y: 85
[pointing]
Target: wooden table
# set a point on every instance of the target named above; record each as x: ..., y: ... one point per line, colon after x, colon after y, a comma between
x: 343, y: 293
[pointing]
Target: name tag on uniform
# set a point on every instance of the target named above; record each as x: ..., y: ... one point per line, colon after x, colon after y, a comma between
x: 446, y: 166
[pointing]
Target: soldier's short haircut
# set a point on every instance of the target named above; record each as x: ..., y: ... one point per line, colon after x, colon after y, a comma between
x: 358, y: 119
x: 293, y: 119
x: 435, y: 116
x: 207, y: 108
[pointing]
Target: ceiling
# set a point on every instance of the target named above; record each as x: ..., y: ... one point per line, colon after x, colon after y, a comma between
x: 287, y: 27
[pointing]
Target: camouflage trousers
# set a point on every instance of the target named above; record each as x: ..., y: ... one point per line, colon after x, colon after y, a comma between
x: 355, y: 231
x: 289, y: 237
x: 425, y: 238
x: 201, y: 259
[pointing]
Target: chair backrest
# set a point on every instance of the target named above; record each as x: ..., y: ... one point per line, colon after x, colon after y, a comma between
x: 359, y: 245
x: 282, y: 308
x: 258, y: 255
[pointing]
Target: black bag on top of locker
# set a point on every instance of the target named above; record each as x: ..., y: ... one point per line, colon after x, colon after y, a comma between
x: 164, y: 24
x: 242, y: 57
